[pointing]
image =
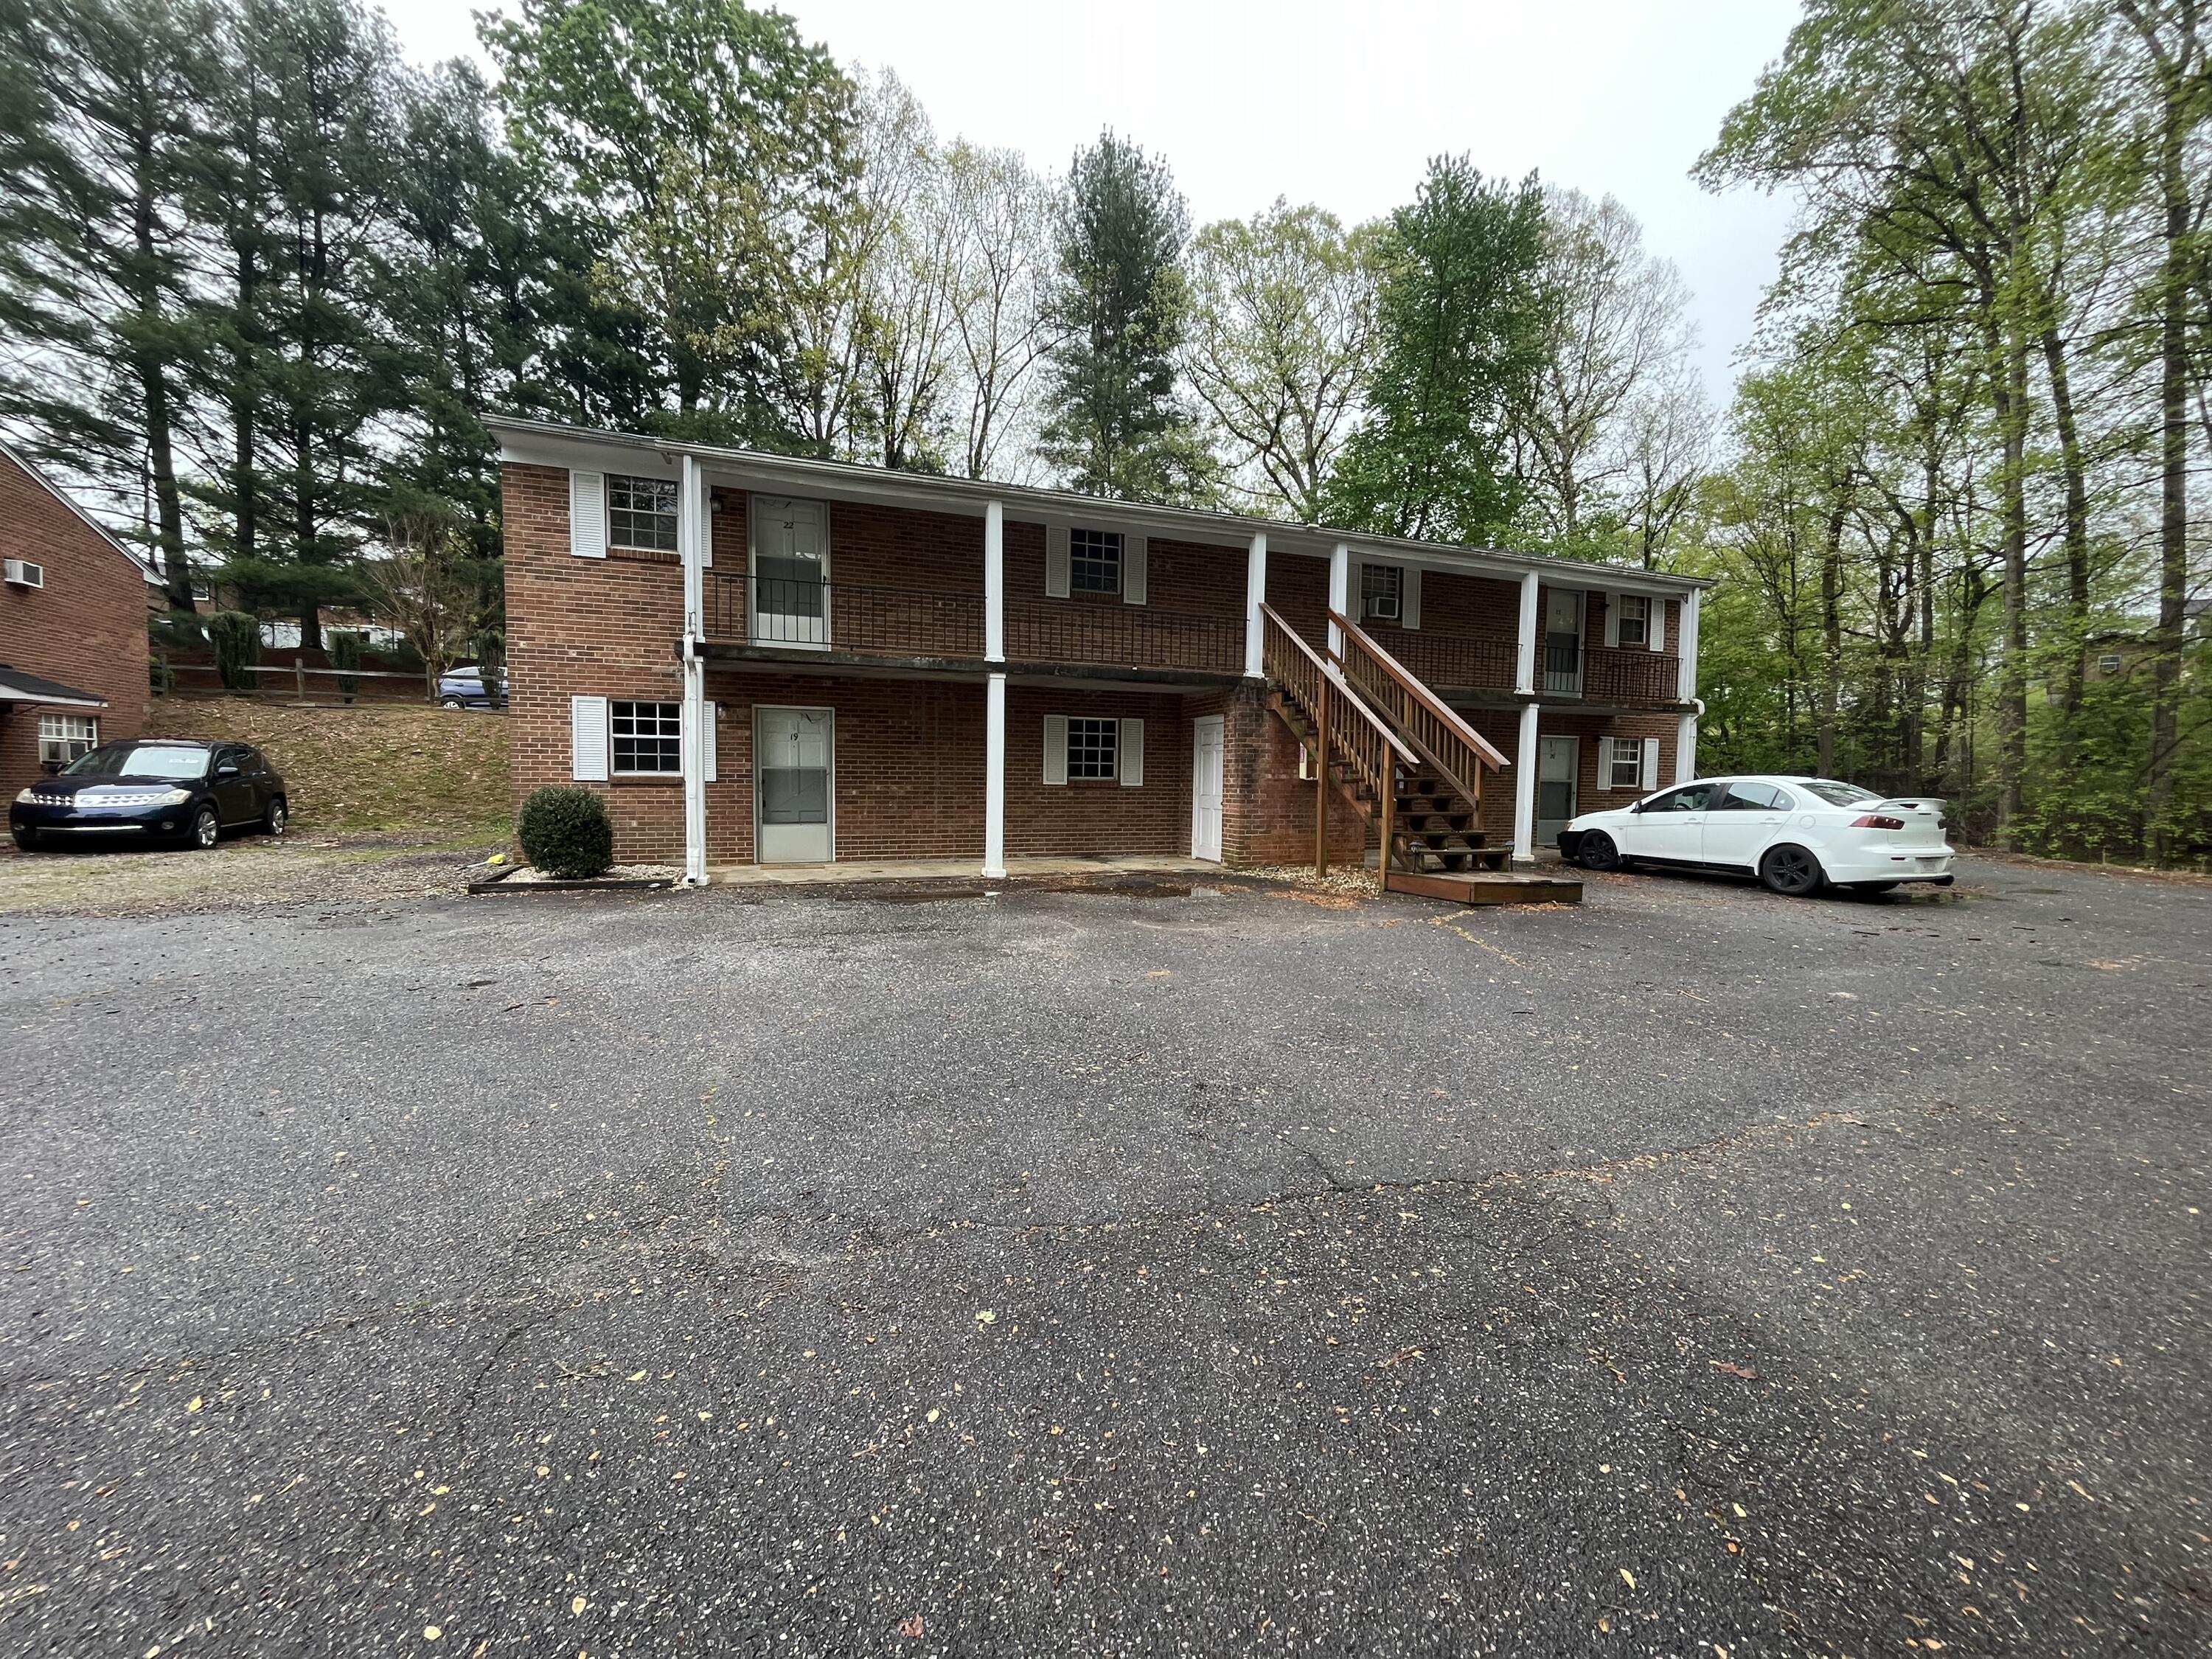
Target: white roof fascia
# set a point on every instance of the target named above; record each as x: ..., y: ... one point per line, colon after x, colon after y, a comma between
x: 534, y: 443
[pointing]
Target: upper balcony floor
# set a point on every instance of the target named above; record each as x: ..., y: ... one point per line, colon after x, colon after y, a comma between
x: 871, y: 572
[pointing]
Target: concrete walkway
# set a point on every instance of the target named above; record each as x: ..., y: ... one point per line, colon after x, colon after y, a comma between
x: 799, y: 875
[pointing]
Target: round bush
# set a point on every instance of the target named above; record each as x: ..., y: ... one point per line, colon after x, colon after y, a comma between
x: 566, y: 833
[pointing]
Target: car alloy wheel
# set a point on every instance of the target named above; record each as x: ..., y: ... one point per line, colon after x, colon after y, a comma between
x: 1790, y: 870
x: 207, y: 830
x: 1597, y: 852
x: 450, y: 703
x: 273, y: 820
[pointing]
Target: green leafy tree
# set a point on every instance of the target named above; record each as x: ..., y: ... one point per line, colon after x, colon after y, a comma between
x: 691, y: 145
x: 1460, y: 320
x: 1118, y: 303
x: 1281, y: 343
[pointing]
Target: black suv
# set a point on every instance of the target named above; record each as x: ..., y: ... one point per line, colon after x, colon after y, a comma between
x: 185, y: 790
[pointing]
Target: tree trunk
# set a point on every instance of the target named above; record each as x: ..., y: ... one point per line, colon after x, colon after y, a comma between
x: 2077, y: 519
x: 2008, y: 403
x: 2173, y: 465
x: 1831, y: 636
x: 152, y: 372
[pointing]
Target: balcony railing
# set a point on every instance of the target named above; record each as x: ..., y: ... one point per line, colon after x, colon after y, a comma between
x: 1451, y: 662
x: 856, y: 616
x: 1637, y: 680
x: 904, y: 621
x: 1125, y: 636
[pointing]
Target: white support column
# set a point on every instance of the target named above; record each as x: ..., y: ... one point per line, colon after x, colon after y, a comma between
x: 1686, y: 726
x: 691, y: 533
x: 1255, y: 595
x: 1524, y: 789
x: 1340, y: 594
x: 994, y: 582
x: 1524, y: 667
x: 994, y: 776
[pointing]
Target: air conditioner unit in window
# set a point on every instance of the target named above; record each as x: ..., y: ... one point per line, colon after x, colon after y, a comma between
x: 1382, y: 607
x: 21, y: 573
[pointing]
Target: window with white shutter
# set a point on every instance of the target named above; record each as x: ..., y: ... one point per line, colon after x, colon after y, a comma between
x: 1133, y: 754
x: 1134, y: 549
x: 1650, y: 762
x: 1056, y: 748
x: 1056, y: 559
x: 588, y: 516
x: 588, y: 739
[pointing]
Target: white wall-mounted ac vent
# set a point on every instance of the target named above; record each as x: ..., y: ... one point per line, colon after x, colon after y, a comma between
x: 21, y: 573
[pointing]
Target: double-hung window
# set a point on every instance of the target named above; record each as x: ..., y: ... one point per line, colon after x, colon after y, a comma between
x: 642, y: 513
x: 1624, y: 763
x: 1382, y: 593
x: 648, y: 737
x: 1094, y: 749
x: 1634, y: 627
x: 1094, y: 561
x: 64, y: 738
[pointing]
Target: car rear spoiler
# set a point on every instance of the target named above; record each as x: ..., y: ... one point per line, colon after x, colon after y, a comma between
x: 1912, y: 804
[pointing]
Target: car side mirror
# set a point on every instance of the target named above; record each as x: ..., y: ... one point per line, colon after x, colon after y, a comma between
x: 225, y: 770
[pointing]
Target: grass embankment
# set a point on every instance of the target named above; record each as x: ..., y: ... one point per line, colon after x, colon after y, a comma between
x: 371, y: 767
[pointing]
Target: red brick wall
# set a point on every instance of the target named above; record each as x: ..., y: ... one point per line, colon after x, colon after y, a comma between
x: 1267, y: 809
x: 598, y: 627
x: 1298, y: 591
x: 86, y: 628
x: 1082, y: 819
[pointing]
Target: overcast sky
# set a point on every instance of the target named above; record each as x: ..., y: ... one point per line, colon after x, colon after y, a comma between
x: 1342, y: 103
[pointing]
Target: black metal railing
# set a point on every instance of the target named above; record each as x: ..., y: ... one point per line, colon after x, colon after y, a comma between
x: 1453, y: 662
x: 1563, y: 667
x: 857, y: 617
x: 1633, y: 678
x: 1122, y: 635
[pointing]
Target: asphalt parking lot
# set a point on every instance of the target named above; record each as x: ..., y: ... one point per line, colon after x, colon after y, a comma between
x: 1237, y: 1272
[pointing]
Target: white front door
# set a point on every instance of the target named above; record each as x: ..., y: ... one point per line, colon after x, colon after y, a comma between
x: 794, y: 766
x: 791, y: 572
x: 1208, y: 740
x: 1563, y: 641
x: 1558, y: 759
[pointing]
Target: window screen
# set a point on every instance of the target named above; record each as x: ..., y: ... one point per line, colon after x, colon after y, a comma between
x: 1635, y: 618
x: 1381, y: 592
x: 642, y: 513
x: 647, y: 737
x: 1094, y: 561
x: 63, y: 737
x: 1093, y: 749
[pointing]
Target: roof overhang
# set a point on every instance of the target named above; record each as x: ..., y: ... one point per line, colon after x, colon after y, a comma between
x: 15, y: 687
x: 545, y: 443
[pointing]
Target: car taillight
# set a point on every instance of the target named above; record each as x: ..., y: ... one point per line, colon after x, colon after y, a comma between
x: 1872, y: 822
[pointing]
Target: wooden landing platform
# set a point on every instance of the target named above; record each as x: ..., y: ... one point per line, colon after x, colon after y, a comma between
x: 1491, y: 887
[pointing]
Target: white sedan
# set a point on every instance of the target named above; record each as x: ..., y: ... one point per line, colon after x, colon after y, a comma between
x: 1796, y: 835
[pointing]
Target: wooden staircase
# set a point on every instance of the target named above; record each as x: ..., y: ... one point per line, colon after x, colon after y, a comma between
x: 1410, y: 764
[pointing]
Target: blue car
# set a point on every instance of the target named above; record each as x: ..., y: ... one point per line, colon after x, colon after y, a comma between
x: 464, y: 688
x: 182, y: 791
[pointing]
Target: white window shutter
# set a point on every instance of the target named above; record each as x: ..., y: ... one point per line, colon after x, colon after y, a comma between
x: 1605, y: 762
x: 588, y: 739
x: 712, y: 740
x: 1133, y: 754
x: 1650, y: 762
x: 1055, y: 738
x: 1612, y: 619
x: 1133, y: 572
x: 1055, y: 563
x: 1655, y: 630
x: 588, y: 516
x: 1409, y: 596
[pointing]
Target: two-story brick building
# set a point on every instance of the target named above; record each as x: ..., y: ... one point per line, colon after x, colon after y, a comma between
x: 72, y: 629
x: 759, y: 658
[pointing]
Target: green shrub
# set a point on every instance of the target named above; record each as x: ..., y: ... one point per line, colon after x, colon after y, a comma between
x: 345, y: 653
x: 566, y: 833
x: 236, y: 637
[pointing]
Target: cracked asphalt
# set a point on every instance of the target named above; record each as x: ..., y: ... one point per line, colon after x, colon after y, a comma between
x: 1694, y: 1273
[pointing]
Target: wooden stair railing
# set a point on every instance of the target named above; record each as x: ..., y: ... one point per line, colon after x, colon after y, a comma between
x: 1425, y: 719
x: 1342, y: 731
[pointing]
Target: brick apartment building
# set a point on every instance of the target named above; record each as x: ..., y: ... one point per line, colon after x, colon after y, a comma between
x: 889, y: 665
x: 72, y: 629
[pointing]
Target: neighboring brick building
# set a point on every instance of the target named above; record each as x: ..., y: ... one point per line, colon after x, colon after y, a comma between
x: 72, y: 629
x: 895, y: 666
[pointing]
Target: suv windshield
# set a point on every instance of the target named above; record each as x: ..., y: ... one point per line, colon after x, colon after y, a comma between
x: 1836, y: 794
x: 139, y: 760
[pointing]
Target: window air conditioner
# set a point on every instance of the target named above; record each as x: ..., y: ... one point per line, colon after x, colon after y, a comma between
x: 21, y: 573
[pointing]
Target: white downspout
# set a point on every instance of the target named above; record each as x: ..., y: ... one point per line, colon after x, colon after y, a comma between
x: 691, y: 547
x: 995, y: 691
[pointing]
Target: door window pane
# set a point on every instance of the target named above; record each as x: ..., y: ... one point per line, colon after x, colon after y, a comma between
x: 795, y: 794
x: 1750, y: 798
x: 1691, y: 798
